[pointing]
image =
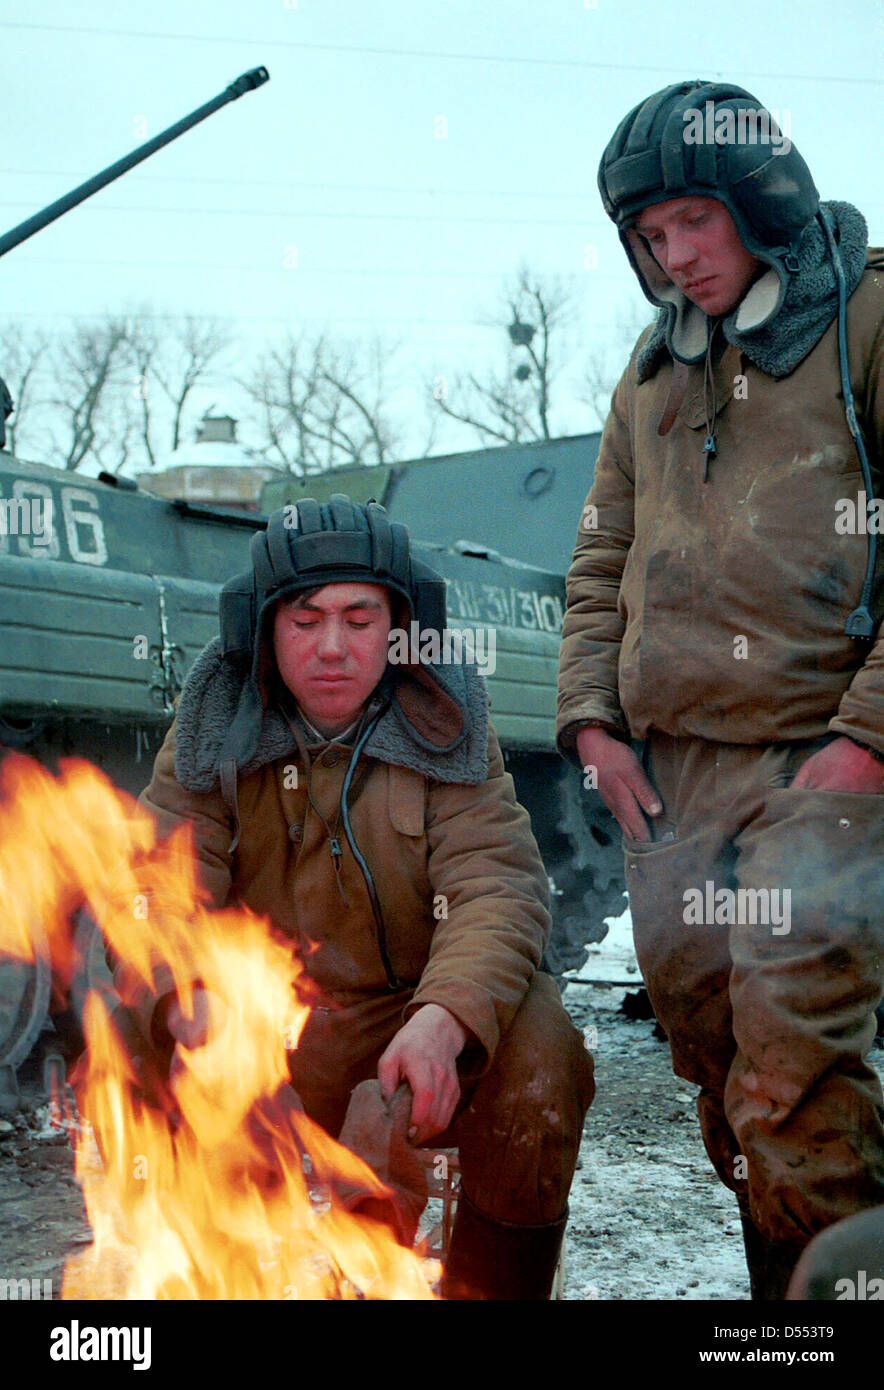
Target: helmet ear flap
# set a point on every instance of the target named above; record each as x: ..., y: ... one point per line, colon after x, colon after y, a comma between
x: 238, y: 611
x: 431, y: 609
x: 265, y: 576
x: 777, y: 197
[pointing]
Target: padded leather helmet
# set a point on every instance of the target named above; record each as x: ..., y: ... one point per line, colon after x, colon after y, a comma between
x: 310, y: 544
x: 654, y: 155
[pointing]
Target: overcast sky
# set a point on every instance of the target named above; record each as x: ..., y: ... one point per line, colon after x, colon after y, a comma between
x: 397, y: 230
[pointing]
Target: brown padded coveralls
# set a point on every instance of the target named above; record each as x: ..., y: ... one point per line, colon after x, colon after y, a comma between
x: 772, y: 1027
x: 527, y: 1077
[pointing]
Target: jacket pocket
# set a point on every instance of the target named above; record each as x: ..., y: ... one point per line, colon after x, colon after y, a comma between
x: 664, y: 832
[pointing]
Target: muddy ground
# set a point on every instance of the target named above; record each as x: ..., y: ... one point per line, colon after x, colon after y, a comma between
x: 648, y: 1218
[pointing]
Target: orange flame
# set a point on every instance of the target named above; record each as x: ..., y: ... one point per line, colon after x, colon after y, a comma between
x: 206, y: 1184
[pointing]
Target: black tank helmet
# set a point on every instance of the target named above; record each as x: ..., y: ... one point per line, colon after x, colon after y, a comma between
x: 655, y: 154
x: 308, y: 545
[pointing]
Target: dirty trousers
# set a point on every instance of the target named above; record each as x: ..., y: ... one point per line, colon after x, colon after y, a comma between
x: 519, y: 1125
x: 771, y: 1015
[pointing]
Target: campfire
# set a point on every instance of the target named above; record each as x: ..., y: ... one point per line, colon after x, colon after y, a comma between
x: 205, y: 1180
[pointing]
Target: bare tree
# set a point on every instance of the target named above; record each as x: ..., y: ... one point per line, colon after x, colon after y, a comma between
x: 601, y: 373
x: 179, y: 359
x: 353, y: 392
x: 322, y: 406
x: 120, y: 385
x: 597, y: 386
x: 21, y: 353
x: 175, y: 356
x: 90, y: 368
x: 144, y: 345
x: 515, y: 404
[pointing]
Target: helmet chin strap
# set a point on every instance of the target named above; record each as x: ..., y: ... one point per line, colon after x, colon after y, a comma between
x: 860, y: 623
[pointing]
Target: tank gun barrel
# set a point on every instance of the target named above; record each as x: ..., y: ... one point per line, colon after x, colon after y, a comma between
x: 255, y: 77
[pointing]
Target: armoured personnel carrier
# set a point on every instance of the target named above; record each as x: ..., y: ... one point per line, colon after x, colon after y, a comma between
x: 103, y: 611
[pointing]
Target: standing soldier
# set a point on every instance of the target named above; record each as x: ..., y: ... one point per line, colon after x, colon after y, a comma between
x: 720, y: 608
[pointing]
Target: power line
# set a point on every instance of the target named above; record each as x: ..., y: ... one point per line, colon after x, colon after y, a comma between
x: 305, y: 269
x: 336, y: 216
x: 373, y: 319
x: 410, y: 189
x: 379, y: 52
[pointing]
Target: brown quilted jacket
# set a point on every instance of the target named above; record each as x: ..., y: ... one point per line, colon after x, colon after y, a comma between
x: 462, y: 888
x: 715, y: 607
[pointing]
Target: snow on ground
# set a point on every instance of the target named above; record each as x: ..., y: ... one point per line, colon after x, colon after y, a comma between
x: 649, y: 1219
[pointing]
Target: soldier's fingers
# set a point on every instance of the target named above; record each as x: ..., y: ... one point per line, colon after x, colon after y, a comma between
x: 645, y: 794
x: 625, y: 808
x: 434, y: 1105
x: 421, y: 1109
x: 636, y: 827
x: 389, y: 1072
x: 448, y: 1104
x: 447, y: 1094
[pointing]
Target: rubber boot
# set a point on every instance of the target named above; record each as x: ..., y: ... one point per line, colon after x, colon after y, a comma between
x: 494, y: 1260
x: 756, y: 1255
x: 770, y: 1262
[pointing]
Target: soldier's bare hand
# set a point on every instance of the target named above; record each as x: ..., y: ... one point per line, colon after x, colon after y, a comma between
x: 424, y: 1053
x: 621, y: 780
x: 842, y: 766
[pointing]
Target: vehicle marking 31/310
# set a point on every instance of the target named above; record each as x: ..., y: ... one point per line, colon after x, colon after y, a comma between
x: 503, y: 606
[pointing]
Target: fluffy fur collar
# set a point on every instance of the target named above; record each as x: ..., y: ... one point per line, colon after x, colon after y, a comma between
x: 414, y: 731
x: 774, y: 344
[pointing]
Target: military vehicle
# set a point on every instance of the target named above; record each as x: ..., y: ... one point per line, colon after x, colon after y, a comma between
x: 103, y: 610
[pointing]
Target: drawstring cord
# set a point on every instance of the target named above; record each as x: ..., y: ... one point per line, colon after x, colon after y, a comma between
x: 393, y: 980
x: 710, y: 444
x: 861, y: 623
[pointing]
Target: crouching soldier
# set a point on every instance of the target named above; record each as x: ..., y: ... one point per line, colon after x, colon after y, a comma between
x: 400, y: 865
x: 722, y: 609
